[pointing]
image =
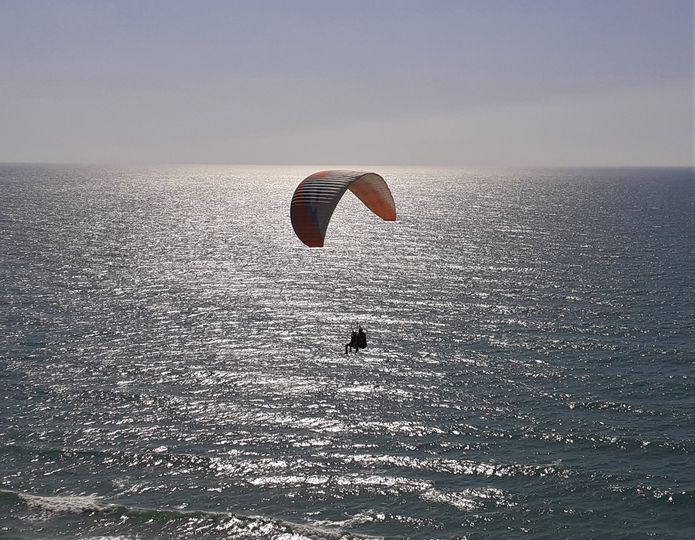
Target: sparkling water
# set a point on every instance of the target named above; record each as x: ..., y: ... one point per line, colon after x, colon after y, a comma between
x: 172, y: 357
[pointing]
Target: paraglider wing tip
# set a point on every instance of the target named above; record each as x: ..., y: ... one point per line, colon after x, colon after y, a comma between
x: 314, y: 244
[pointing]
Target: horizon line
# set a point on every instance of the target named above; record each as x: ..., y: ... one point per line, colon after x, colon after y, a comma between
x: 319, y: 164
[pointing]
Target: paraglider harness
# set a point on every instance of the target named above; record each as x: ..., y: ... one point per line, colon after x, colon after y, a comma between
x: 358, y: 340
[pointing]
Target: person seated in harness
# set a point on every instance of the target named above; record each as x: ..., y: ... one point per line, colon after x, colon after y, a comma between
x: 358, y: 340
x: 361, y: 338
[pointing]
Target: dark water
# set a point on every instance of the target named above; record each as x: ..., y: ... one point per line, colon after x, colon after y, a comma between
x: 171, y: 357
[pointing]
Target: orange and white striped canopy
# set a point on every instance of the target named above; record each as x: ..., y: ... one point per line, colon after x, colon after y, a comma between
x: 317, y: 196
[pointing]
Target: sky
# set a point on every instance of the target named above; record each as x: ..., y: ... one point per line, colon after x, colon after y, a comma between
x: 384, y: 82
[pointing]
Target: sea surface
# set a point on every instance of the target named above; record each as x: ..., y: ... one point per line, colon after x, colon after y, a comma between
x: 172, y: 357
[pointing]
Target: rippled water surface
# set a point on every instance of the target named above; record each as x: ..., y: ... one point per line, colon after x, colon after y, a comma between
x: 172, y: 366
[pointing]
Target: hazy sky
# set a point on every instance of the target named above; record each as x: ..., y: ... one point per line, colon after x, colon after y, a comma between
x: 459, y: 82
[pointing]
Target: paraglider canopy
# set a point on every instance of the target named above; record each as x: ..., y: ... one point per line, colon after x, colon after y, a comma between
x: 317, y: 196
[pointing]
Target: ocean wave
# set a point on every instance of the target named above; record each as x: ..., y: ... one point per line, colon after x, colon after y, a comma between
x: 665, y: 495
x: 469, y: 500
x: 456, y: 467
x: 161, y: 522
x: 613, y: 406
x: 617, y: 442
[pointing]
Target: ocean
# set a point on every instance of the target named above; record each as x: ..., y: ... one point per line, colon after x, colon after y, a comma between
x: 172, y: 357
